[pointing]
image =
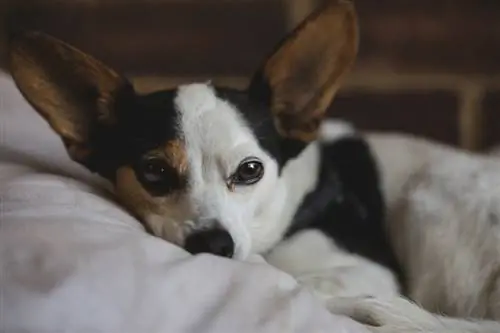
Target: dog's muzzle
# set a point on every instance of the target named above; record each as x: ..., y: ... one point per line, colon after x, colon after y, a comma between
x: 214, y: 241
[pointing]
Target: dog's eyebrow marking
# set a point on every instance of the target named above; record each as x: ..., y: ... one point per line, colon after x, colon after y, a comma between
x: 131, y: 192
x: 176, y: 154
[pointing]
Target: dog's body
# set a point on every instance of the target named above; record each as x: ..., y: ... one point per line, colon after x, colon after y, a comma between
x: 442, y: 220
x: 258, y: 171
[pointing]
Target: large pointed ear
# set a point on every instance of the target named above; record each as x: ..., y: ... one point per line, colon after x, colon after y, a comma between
x: 300, y: 79
x: 74, y: 92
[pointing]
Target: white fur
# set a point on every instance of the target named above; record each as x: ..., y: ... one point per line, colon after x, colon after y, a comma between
x: 444, y: 209
x: 444, y: 221
x: 217, y: 140
x: 315, y: 260
x: 332, y: 130
x: 399, y: 315
x: 298, y: 178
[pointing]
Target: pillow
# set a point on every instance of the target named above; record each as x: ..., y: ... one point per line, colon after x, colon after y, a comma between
x: 73, y: 260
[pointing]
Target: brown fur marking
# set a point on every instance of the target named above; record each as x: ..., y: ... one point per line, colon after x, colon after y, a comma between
x: 168, y: 210
x: 175, y: 152
x: 304, y: 74
x: 59, y: 81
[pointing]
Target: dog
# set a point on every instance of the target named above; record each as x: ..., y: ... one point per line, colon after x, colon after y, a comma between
x: 393, y: 231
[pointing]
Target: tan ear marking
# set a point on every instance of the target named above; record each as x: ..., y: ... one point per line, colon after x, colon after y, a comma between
x: 305, y: 72
x: 70, y: 89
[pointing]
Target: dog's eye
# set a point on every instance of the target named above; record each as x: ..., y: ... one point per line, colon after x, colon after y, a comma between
x: 158, y: 177
x: 249, y: 172
x: 154, y: 170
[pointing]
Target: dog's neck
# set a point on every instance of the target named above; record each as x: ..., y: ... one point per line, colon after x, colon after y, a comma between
x: 323, y: 178
x: 301, y: 176
x: 328, y: 191
x: 298, y: 178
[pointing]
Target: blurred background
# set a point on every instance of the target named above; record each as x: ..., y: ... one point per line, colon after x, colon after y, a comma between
x: 427, y: 67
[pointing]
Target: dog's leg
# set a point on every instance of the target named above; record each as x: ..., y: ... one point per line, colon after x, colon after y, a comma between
x: 399, y: 315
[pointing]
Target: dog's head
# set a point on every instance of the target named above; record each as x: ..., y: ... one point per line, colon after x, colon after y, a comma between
x: 201, y: 166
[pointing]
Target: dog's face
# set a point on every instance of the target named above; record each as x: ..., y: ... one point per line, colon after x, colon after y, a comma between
x: 201, y: 166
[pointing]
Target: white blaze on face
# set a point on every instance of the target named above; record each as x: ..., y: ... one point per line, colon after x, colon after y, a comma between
x: 217, y: 140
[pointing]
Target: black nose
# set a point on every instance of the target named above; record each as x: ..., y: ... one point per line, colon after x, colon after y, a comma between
x: 214, y: 241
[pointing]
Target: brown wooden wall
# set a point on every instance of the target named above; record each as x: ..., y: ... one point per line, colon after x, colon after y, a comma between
x: 429, y: 67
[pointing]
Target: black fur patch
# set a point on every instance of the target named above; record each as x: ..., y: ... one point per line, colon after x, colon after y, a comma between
x: 260, y: 119
x: 143, y: 123
x: 348, y: 204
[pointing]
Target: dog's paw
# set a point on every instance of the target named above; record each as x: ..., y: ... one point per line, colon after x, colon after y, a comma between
x: 395, y: 315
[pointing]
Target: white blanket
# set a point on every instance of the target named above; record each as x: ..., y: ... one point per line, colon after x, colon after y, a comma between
x: 71, y: 260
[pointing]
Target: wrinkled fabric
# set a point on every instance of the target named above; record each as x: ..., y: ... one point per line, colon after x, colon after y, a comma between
x: 72, y: 260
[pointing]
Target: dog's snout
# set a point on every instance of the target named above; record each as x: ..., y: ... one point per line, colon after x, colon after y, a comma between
x: 213, y: 241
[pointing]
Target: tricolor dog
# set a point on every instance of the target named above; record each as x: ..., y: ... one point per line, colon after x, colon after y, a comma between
x: 232, y: 173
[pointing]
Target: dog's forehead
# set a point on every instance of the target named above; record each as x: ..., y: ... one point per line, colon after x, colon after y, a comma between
x: 191, y: 112
x: 208, y: 121
x: 200, y: 119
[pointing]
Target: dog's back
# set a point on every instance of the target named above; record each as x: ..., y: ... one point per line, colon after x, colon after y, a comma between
x: 444, y: 223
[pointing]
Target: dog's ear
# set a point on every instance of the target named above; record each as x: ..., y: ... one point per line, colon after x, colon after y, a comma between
x: 74, y: 92
x: 300, y: 79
